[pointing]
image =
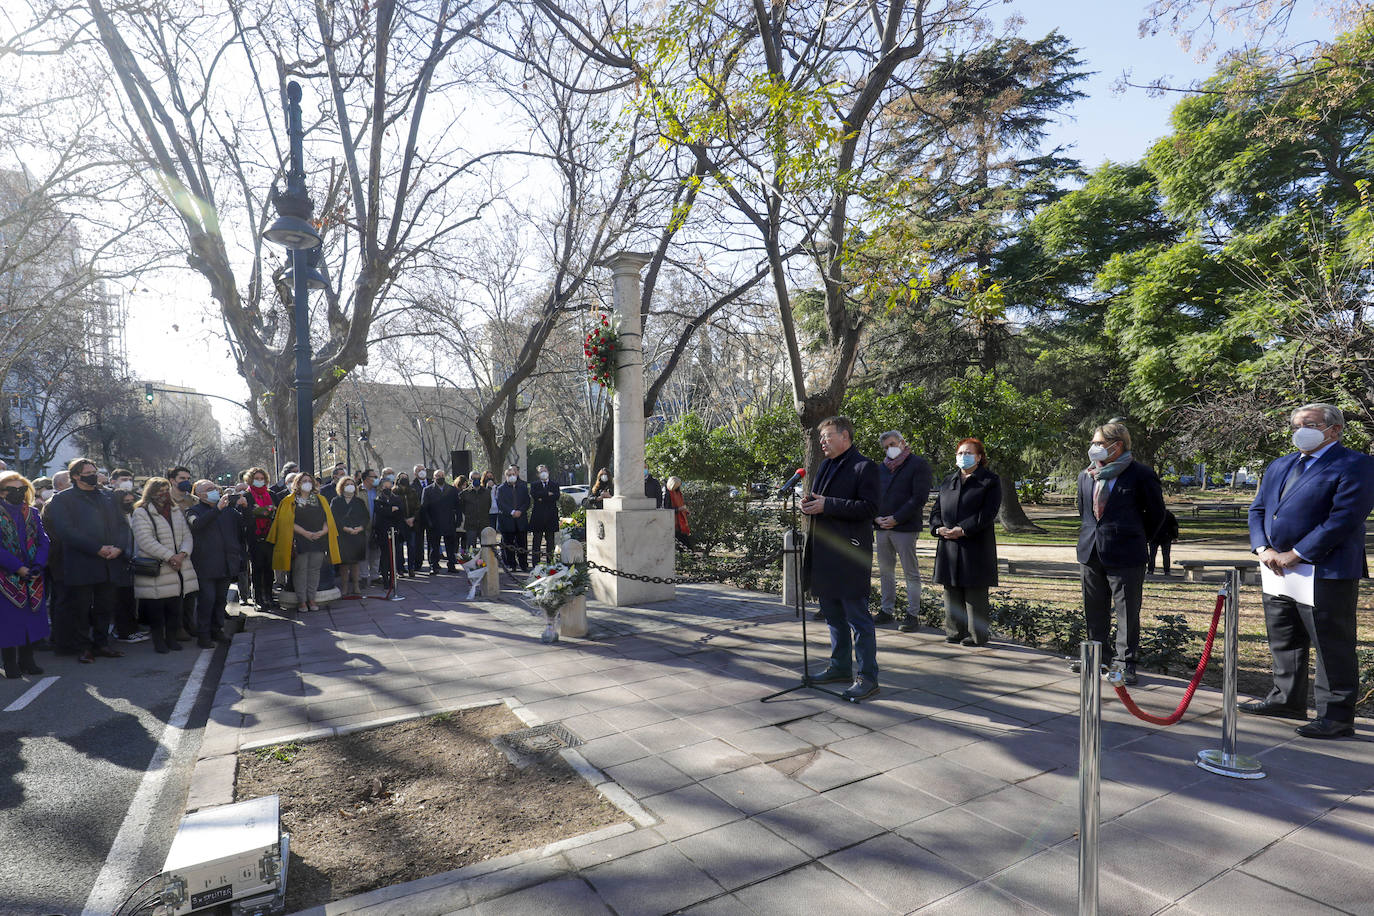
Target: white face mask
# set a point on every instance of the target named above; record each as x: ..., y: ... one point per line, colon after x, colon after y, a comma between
x: 259, y: 482
x: 125, y: 485
x: 510, y: 478
x: 605, y: 477
x: 422, y: 475
x: 1098, y: 452
x: 1306, y: 439
x: 307, y: 487
x: 893, y: 451
x: 966, y: 460
x: 543, y: 475
x: 350, y: 489
x: 46, y: 495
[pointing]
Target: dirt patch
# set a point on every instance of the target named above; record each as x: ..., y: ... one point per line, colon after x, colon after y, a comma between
x: 401, y: 802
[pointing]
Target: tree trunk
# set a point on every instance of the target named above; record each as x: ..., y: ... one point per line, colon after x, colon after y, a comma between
x: 1011, y: 516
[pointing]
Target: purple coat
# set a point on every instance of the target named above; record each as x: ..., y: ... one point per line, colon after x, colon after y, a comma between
x: 23, y: 604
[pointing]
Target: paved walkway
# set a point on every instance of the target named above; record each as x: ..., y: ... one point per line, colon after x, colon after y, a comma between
x: 954, y: 792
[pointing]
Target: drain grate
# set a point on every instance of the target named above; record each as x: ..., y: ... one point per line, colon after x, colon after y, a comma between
x: 540, y: 741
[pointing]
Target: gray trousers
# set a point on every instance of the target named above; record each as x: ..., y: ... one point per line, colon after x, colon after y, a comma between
x: 1109, y: 590
x: 305, y: 575
x: 889, y: 546
x: 371, y: 568
x: 967, y: 612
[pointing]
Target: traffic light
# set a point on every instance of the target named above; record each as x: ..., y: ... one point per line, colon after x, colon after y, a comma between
x: 148, y: 392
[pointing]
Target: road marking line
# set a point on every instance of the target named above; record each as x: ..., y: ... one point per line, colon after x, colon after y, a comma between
x: 112, y: 885
x: 31, y: 694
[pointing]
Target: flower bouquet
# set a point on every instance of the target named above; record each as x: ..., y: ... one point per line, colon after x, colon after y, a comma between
x: 475, y: 569
x: 600, y: 346
x: 554, y: 585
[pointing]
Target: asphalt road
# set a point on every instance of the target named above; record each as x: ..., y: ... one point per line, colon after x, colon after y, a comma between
x: 71, y: 762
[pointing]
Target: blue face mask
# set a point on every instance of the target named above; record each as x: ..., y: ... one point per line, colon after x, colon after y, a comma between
x: 212, y: 496
x: 965, y: 461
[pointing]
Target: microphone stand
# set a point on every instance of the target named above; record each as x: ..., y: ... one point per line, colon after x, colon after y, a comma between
x: 799, y: 610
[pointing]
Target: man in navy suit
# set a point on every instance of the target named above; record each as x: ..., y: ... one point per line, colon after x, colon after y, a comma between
x: 1121, y: 505
x: 837, y: 558
x: 1311, y: 508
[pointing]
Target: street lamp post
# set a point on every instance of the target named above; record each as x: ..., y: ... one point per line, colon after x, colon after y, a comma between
x: 293, y: 231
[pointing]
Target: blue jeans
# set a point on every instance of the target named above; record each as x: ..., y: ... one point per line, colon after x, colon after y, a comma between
x: 845, y: 615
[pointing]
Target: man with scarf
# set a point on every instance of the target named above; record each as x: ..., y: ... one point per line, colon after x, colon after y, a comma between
x: 1121, y: 505
x: 905, y: 482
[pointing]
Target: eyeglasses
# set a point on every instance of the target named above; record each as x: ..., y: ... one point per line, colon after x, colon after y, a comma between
x: 1311, y: 425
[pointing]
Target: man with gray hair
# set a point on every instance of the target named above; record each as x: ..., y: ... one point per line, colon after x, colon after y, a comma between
x: 1308, y: 518
x: 904, y: 479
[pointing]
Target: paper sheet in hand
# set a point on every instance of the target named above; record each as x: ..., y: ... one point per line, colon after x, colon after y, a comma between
x: 1296, y: 583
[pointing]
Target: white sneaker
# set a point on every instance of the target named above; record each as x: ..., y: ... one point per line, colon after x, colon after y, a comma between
x: 138, y: 636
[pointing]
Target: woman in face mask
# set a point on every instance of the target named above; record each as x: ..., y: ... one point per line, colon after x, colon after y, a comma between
x: 962, y: 517
x: 261, y: 509
x: 304, y: 526
x: 476, y: 513
x: 602, y: 487
x: 23, y: 594
x: 388, y: 522
x: 351, y: 517
x: 162, y: 532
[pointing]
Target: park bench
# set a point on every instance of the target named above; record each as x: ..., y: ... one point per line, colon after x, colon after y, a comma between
x: 1234, y: 509
x: 1193, y: 569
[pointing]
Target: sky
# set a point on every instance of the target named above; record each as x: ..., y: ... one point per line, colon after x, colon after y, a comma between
x: 1109, y: 123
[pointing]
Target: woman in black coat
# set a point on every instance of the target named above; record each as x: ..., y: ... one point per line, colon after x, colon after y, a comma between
x: 962, y: 517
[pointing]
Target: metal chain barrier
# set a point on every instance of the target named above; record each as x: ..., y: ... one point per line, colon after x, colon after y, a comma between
x: 1124, y: 695
x: 720, y: 575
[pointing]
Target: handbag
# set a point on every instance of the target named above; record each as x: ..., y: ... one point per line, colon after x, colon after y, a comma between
x: 145, y: 566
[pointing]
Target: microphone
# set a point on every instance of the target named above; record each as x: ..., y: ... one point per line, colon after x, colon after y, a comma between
x: 792, y: 482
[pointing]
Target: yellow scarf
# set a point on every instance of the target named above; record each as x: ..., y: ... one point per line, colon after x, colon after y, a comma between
x: 283, y: 533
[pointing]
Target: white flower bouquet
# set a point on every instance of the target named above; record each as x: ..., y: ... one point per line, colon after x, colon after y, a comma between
x: 554, y: 585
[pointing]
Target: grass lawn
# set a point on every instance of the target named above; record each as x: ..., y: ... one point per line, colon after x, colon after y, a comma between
x: 1063, y: 529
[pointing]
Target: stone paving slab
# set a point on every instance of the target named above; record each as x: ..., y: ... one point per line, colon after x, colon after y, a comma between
x: 954, y: 791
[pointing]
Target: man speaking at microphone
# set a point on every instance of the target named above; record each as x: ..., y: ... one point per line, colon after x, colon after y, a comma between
x: 838, y: 556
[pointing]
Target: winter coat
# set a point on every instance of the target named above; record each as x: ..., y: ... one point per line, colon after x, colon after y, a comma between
x: 904, y: 492
x: 837, y: 559
x: 351, y: 513
x: 970, y: 503
x: 511, y: 498
x: 1134, y: 512
x: 410, y: 496
x: 83, y: 521
x: 155, y: 537
x: 218, y: 534
x: 388, y: 514
x: 476, y: 509
x: 440, y: 508
x: 544, y: 511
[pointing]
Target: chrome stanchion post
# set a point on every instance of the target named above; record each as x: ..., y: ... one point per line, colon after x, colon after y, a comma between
x: 1089, y: 772
x: 1226, y: 762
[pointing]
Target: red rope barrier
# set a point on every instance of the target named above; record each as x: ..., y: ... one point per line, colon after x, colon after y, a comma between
x: 1177, y: 714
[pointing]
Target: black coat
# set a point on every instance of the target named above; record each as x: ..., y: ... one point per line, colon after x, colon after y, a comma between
x: 1134, y: 512
x: 904, y: 493
x: 1168, y: 530
x: 653, y: 490
x: 544, y: 512
x: 388, y: 514
x: 83, y: 521
x: 476, y: 509
x: 440, y: 508
x: 971, y: 504
x: 217, y: 541
x: 837, y: 560
x: 510, y: 498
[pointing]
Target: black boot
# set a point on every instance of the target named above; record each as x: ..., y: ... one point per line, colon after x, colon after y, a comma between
x: 10, y: 655
x: 171, y: 630
x: 26, y: 662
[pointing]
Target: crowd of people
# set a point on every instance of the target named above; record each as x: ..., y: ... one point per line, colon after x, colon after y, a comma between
x: 90, y: 560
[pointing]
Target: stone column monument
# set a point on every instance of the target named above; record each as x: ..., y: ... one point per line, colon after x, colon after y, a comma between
x: 629, y: 533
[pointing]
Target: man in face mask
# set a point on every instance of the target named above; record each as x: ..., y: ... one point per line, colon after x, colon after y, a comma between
x: 122, y: 479
x: 440, y: 512
x: 216, y: 554
x: 181, y: 487
x: 1121, y: 507
x: 1308, y: 519
x: 544, y: 495
x: 905, y: 482
x: 512, y: 510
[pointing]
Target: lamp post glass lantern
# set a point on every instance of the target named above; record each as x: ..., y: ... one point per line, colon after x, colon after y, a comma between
x: 293, y: 230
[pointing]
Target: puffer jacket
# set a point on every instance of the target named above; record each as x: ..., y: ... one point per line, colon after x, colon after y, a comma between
x: 154, y: 538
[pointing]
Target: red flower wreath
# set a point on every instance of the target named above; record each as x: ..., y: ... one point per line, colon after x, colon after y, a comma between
x: 600, y: 348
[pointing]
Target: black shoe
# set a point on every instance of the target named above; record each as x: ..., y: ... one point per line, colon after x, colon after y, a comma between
x: 1076, y: 666
x: 433, y: 573
x: 174, y: 645
x: 973, y: 642
x: 909, y: 624
x: 160, y: 646
x: 861, y: 689
x: 14, y: 673
x: 1131, y: 678
x: 1277, y: 710
x: 205, y: 642
x: 818, y: 616
x: 1323, y: 727
x: 954, y: 639
x: 832, y: 675
x: 30, y: 668
x: 882, y: 617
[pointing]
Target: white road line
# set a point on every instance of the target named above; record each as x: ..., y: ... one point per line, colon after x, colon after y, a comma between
x: 31, y: 694
x: 112, y: 886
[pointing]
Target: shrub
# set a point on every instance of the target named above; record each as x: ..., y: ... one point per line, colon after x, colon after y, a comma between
x: 1161, y: 646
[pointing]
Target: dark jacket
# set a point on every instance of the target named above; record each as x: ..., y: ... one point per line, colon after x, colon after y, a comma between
x: 388, y: 514
x: 904, y: 492
x: 971, y: 504
x: 411, y: 497
x: 217, y: 546
x: 476, y: 509
x: 351, y: 513
x: 1322, y: 516
x: 1134, y: 512
x: 1168, y: 531
x: 510, y: 498
x: 837, y: 559
x: 440, y: 508
x: 83, y: 521
x: 654, y: 490
x: 544, y: 511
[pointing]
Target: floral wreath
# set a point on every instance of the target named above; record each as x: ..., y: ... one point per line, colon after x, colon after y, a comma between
x: 554, y: 585
x: 599, y: 348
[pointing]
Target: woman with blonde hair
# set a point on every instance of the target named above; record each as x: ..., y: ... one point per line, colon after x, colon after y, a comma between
x: 673, y: 499
x: 304, y: 538
x: 23, y: 594
x: 162, y: 532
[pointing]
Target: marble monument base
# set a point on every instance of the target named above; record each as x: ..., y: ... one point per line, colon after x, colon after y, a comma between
x: 638, y: 540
